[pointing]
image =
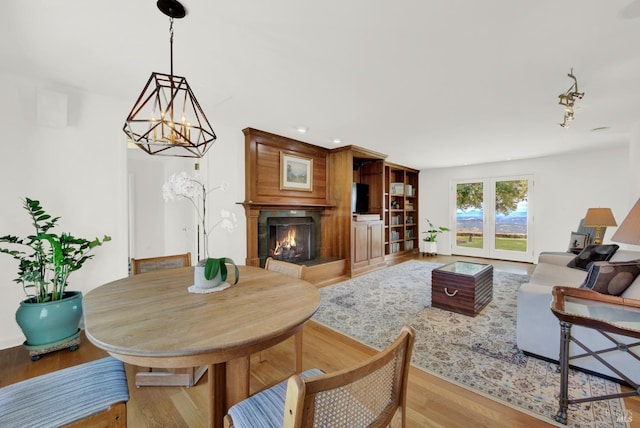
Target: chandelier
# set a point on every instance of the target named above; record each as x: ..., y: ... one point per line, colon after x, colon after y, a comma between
x: 568, y: 99
x: 167, y: 118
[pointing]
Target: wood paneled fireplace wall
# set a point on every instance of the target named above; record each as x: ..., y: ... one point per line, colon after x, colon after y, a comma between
x: 298, y: 206
x: 270, y: 208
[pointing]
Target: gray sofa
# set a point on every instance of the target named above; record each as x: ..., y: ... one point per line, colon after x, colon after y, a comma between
x: 538, y: 330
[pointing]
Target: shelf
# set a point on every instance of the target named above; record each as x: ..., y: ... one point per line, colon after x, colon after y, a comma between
x: 401, y: 201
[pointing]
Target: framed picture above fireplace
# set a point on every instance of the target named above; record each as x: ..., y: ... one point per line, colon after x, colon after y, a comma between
x: 296, y: 172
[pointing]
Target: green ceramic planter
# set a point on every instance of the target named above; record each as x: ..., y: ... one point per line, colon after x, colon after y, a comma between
x: 50, y: 322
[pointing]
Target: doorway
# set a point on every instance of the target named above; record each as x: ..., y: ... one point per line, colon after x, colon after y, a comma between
x: 491, y: 218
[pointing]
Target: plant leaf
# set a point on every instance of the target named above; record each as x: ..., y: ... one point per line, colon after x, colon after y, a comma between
x: 235, y: 269
x: 223, y: 270
x: 211, y: 268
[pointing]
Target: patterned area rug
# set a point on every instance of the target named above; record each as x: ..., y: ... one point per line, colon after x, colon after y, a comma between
x: 479, y: 353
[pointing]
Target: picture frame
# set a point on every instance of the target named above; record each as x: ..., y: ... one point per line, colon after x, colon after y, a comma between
x: 578, y: 241
x: 296, y: 172
x: 397, y: 189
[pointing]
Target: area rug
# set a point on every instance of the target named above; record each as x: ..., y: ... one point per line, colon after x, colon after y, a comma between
x: 478, y: 353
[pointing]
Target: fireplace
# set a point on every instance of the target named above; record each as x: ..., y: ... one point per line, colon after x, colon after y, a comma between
x: 290, y: 235
x: 291, y: 239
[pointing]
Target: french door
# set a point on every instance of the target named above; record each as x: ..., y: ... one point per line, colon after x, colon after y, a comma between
x: 492, y: 219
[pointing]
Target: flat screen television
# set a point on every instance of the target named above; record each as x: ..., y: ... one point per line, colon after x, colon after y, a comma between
x: 360, y: 198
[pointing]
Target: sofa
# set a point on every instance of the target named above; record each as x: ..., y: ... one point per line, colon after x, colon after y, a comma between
x: 538, y: 329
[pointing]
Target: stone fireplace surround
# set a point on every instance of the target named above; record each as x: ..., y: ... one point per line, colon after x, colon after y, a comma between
x: 308, y: 246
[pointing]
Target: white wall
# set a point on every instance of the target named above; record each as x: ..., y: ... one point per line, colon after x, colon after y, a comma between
x: 565, y: 186
x: 634, y: 161
x: 222, y: 164
x: 79, y: 172
x: 151, y: 214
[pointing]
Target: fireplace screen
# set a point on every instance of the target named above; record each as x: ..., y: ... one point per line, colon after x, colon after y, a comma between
x: 291, y: 238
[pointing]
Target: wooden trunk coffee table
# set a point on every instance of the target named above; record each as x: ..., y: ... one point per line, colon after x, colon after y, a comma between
x: 462, y: 287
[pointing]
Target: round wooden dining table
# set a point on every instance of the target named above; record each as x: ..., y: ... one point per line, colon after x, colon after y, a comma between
x: 152, y: 320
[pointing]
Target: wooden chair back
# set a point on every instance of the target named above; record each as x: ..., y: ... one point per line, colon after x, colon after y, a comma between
x: 368, y: 395
x: 173, y: 377
x: 285, y: 268
x: 157, y: 263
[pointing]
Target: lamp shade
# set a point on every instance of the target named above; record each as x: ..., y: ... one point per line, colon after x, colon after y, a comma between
x: 599, y: 217
x: 629, y: 230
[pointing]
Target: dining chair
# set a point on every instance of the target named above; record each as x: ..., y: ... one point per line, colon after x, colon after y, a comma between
x: 172, y: 377
x: 285, y: 268
x: 156, y: 263
x: 367, y: 395
x: 295, y: 271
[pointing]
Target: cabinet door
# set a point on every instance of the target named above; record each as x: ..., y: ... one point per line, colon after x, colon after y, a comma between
x: 376, y: 248
x: 360, y: 241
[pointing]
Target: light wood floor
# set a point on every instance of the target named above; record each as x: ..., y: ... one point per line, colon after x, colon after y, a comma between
x: 432, y: 402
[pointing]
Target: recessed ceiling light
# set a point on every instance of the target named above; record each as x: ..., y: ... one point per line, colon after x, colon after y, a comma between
x: 337, y: 141
x: 302, y: 129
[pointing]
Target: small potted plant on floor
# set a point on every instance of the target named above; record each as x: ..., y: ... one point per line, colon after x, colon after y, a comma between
x: 430, y: 245
x: 50, y: 315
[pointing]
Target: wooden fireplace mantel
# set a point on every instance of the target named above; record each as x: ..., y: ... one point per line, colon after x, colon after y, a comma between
x: 328, y: 188
x: 285, y: 206
x: 263, y: 186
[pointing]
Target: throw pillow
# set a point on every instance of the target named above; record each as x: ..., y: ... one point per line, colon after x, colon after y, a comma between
x: 611, y: 277
x: 592, y: 253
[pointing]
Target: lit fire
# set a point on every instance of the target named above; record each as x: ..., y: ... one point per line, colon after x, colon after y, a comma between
x: 287, y: 243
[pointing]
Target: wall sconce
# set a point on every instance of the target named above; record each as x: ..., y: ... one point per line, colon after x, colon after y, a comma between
x: 568, y: 99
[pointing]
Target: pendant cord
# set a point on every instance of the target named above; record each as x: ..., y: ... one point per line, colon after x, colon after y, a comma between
x: 171, y: 42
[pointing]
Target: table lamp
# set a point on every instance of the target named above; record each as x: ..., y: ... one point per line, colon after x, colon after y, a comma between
x: 599, y: 218
x: 629, y: 230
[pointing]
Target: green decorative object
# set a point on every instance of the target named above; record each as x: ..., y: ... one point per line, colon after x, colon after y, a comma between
x: 213, y: 272
x: 433, y: 232
x: 46, y: 260
x: 46, y: 323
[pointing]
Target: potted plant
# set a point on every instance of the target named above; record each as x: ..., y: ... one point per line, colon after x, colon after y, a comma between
x: 430, y: 246
x: 213, y: 272
x: 50, y: 315
x: 210, y: 273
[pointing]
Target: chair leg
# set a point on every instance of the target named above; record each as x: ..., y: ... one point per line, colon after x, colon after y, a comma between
x: 298, y: 352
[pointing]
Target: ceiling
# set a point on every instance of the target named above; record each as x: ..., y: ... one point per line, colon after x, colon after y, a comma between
x: 431, y: 83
